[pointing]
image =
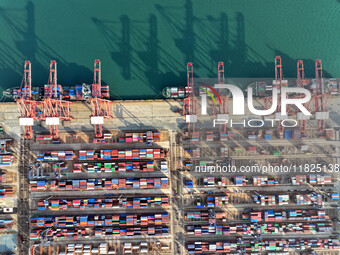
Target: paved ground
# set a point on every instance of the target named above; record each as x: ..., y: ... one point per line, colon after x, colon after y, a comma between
x: 141, y: 114
x: 138, y: 114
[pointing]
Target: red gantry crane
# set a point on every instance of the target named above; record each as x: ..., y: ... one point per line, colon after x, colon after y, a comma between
x: 300, y: 74
x: 190, y: 103
x: 223, y: 109
x: 301, y: 82
x: 320, y: 97
x: 220, y: 80
x: 54, y: 108
x: 277, y: 83
x: 28, y: 108
x: 101, y: 108
x: 220, y: 68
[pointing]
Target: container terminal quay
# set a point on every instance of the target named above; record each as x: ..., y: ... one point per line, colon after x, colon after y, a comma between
x: 83, y: 174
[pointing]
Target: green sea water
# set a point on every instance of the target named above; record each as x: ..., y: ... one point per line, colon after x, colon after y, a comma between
x: 145, y: 45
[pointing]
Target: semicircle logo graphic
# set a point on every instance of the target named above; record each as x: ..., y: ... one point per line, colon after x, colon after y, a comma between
x: 211, y: 94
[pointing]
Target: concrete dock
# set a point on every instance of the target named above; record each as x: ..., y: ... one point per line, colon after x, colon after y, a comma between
x: 141, y: 114
x: 136, y: 114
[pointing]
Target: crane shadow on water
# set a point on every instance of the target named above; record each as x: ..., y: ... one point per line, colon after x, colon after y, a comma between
x: 138, y: 46
x: 150, y: 52
x: 28, y: 46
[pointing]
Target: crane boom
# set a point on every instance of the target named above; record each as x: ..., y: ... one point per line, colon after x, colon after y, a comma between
x: 27, y: 107
x: 321, y: 97
x: 100, y: 108
x: 190, y: 103
x: 54, y: 108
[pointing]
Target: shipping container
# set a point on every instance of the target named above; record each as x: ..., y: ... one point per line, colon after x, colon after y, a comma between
x: 91, y: 184
x: 251, y: 246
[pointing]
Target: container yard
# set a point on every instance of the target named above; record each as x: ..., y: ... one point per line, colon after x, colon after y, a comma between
x: 120, y: 199
x: 9, y: 226
x: 257, y: 212
x: 164, y: 183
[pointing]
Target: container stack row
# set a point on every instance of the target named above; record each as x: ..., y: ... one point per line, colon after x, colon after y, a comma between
x: 116, y: 167
x: 55, y: 155
x: 6, y: 160
x: 262, y: 228
x: 100, y: 220
x: 313, y: 179
x: 271, y: 199
x: 100, y: 184
x: 100, y: 232
x: 133, y: 137
x: 121, y: 154
x: 286, y: 215
x: 88, y: 249
x: 280, y: 245
x: 100, y: 203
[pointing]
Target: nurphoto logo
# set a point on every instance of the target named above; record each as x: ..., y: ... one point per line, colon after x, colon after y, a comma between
x: 238, y: 100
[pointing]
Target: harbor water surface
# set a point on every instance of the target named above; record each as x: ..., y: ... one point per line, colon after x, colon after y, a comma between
x: 145, y: 45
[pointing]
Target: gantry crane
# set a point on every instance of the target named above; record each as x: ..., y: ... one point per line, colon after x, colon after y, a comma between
x: 300, y: 74
x: 320, y: 97
x: 220, y: 68
x: 300, y: 83
x: 223, y: 110
x: 54, y: 108
x: 277, y: 83
x: 101, y: 108
x: 316, y: 190
x: 220, y: 80
x: 28, y: 108
x: 190, y: 103
x: 242, y: 250
x: 278, y: 72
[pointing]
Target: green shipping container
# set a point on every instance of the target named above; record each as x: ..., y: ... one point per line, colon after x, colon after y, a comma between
x: 276, y: 153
